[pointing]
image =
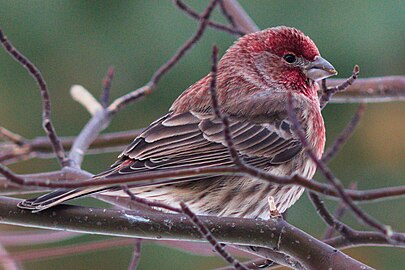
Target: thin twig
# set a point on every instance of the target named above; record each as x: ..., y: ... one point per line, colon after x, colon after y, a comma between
x: 363, y: 238
x: 340, y: 210
x: 210, y: 238
x: 227, y: 15
x: 10, y: 136
x: 147, y: 89
x: 13, y: 157
x: 335, y: 182
x: 105, y: 96
x: 136, y: 255
x: 328, y: 218
x: 152, y: 204
x: 217, y: 110
x: 345, y: 135
x: 46, y: 102
x: 187, y: 46
x: 193, y: 14
x: 371, y: 90
x: 43, y: 146
x: 327, y: 93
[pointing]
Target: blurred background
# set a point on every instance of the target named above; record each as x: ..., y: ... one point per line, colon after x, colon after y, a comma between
x: 74, y: 42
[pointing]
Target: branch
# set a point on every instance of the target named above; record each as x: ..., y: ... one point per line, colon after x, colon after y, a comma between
x: 147, y: 89
x: 340, y: 210
x: 371, y: 90
x: 46, y: 102
x: 329, y: 219
x: 328, y: 92
x: 10, y: 136
x: 87, y: 100
x: 105, y: 96
x: 41, y: 147
x: 344, y: 136
x: 241, y: 19
x: 273, y: 233
x: 136, y: 255
x: 193, y: 14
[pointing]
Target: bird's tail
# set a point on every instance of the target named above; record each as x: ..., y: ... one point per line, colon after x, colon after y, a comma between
x: 54, y: 198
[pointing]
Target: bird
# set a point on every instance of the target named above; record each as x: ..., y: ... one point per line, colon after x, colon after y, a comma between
x: 255, y: 77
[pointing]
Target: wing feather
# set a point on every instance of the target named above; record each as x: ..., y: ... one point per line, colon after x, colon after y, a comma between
x: 191, y: 140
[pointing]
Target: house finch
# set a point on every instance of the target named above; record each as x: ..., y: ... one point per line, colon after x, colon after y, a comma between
x: 253, y: 81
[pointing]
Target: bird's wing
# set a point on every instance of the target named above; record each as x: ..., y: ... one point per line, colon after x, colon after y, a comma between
x: 191, y: 140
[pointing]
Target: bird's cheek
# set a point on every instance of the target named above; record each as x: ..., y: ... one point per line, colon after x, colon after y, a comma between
x: 295, y: 79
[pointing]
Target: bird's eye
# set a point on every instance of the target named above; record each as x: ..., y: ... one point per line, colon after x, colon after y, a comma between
x: 290, y: 58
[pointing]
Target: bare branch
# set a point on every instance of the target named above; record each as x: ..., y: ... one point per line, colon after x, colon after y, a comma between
x: 366, y: 238
x: 151, y: 225
x: 42, y: 146
x: 329, y: 219
x: 8, y: 135
x: 217, y: 111
x: 87, y: 100
x: 341, y: 209
x: 371, y: 90
x: 46, y: 103
x: 341, y: 140
x: 123, y: 101
x: 105, y: 96
x: 136, y: 255
x: 227, y: 15
x: 241, y: 18
x: 88, y: 134
x: 151, y: 204
x: 327, y: 93
x: 193, y: 14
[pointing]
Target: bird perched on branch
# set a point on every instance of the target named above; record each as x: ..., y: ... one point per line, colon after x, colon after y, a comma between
x: 254, y: 79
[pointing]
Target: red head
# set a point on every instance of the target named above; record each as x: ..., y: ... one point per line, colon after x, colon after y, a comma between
x: 280, y: 57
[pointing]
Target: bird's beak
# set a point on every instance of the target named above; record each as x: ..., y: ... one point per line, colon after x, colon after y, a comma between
x: 319, y: 69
